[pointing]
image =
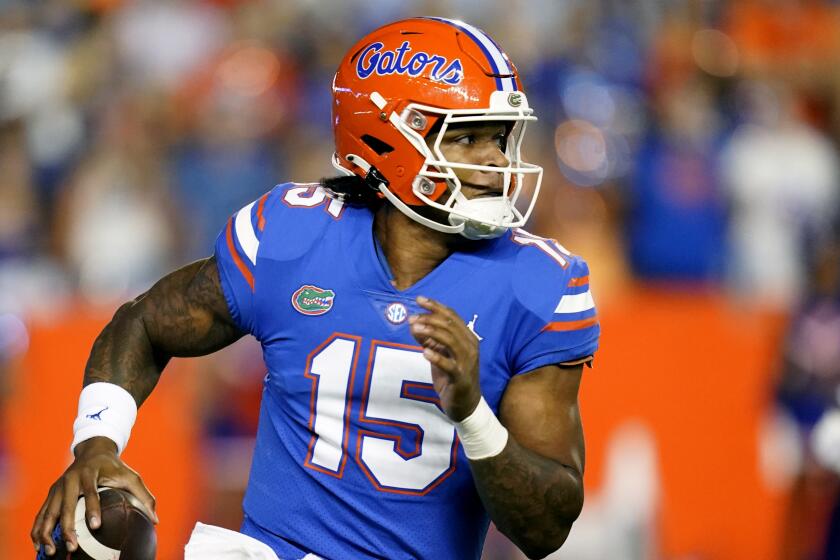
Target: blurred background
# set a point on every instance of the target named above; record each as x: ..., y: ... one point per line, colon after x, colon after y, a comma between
x: 690, y: 153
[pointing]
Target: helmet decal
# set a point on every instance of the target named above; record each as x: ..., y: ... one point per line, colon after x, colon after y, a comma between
x: 373, y: 60
x: 495, y: 56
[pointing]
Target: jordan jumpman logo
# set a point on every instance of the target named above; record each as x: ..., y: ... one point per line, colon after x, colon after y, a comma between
x: 98, y: 415
x: 471, y: 326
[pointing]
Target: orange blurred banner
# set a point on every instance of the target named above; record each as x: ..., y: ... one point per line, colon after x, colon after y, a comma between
x: 697, y: 373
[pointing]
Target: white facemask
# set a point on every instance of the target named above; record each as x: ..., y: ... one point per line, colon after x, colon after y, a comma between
x: 481, y: 218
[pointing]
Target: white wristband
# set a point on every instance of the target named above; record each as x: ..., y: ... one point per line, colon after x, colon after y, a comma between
x: 105, y: 410
x: 481, y: 433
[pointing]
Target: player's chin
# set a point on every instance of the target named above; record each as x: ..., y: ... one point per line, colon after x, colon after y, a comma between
x: 455, y: 240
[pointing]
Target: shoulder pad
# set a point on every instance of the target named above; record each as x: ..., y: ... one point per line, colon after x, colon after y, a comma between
x: 294, y: 218
x: 545, y: 272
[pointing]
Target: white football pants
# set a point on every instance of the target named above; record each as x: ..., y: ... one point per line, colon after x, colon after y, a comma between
x: 209, y: 542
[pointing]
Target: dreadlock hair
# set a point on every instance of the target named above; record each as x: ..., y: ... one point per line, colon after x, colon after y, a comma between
x: 353, y: 189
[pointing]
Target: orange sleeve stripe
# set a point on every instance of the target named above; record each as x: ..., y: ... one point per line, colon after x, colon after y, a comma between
x: 236, y: 258
x: 561, y: 326
x: 260, y: 206
x: 582, y: 281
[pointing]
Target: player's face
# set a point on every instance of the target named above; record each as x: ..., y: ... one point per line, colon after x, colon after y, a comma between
x: 479, y: 144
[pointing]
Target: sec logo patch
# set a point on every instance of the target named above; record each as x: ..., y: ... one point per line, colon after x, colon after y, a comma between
x: 396, y: 313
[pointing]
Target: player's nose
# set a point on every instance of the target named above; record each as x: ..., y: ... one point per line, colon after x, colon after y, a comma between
x: 492, y: 155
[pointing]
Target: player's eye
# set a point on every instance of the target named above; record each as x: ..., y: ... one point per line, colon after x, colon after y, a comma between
x: 465, y: 139
x: 501, y: 140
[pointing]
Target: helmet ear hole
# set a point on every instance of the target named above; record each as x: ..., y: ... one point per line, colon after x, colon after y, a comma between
x: 377, y: 145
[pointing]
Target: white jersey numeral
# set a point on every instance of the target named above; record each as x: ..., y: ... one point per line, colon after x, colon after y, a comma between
x: 398, y: 394
x: 330, y: 369
x: 311, y: 196
x: 388, y: 402
x: 548, y: 246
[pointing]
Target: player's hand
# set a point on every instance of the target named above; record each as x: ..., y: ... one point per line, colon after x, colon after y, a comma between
x: 452, y: 349
x: 96, y: 464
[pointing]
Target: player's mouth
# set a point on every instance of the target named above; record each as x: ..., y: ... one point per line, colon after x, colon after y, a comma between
x: 482, y: 191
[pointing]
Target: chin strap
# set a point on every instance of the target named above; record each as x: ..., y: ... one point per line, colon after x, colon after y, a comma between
x: 373, y: 178
x: 372, y: 175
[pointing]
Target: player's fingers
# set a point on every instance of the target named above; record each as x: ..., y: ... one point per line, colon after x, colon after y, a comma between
x: 462, y: 346
x: 92, y: 511
x: 437, y: 347
x: 446, y: 318
x: 126, y: 478
x: 53, y: 510
x: 420, y: 333
x: 437, y: 307
x: 42, y: 528
x: 39, y: 517
x: 69, y: 498
x: 135, y: 485
x: 439, y: 360
x: 457, y: 327
x: 422, y: 339
x: 439, y: 335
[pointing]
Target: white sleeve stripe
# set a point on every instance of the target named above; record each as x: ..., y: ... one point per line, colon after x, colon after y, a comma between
x: 245, y: 233
x: 575, y: 303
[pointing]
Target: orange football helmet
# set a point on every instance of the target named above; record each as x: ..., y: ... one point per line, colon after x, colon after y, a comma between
x: 418, y: 75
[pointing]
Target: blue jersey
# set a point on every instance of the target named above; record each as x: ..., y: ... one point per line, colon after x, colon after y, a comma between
x: 354, y: 457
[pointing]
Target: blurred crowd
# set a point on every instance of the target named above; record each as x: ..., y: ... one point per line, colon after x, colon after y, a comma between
x: 690, y: 144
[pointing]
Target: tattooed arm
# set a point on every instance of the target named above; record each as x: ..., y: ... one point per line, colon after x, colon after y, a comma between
x: 533, y: 490
x: 184, y: 314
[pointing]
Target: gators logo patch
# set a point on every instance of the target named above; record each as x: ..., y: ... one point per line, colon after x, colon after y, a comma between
x: 312, y: 300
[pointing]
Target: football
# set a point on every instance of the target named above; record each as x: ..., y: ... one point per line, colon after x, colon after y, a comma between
x: 125, y: 532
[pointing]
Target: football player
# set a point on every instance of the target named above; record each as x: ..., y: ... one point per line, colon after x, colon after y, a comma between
x: 424, y: 352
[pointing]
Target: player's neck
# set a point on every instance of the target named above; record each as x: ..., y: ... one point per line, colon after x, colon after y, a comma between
x: 411, y: 249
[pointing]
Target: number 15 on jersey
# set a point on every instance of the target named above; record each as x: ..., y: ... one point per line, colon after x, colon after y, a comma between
x: 397, y: 394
